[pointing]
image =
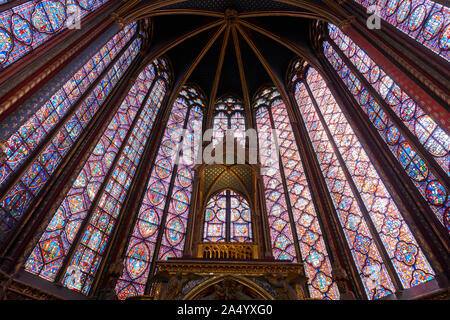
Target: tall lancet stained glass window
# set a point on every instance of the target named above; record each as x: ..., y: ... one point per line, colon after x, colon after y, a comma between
x: 163, y: 212
x: 227, y: 218
x: 229, y: 117
x: 45, y: 139
x: 426, y: 21
x: 378, y: 95
x: 93, y: 204
x: 289, y: 203
x: 366, y: 211
x: 29, y: 24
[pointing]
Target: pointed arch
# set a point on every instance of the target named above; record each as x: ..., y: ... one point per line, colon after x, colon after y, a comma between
x: 228, y: 116
x: 160, y: 228
x: 292, y: 216
x: 228, y: 218
x: 36, y: 149
x: 93, y: 204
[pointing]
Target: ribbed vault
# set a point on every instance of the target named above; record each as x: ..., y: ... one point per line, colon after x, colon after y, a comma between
x: 229, y: 46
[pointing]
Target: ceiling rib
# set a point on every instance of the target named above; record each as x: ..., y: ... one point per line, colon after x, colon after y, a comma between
x: 217, y: 77
x: 234, y: 25
x: 141, y: 13
x: 195, y: 63
x: 284, y: 42
x: 161, y: 51
x: 237, y: 49
x: 264, y: 62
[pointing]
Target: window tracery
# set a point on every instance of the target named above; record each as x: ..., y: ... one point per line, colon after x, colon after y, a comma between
x: 100, y: 188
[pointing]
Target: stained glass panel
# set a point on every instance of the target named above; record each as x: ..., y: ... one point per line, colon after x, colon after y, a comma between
x: 406, y: 256
x: 168, y: 175
x: 88, y: 254
x: 28, y: 25
x: 229, y: 117
x: 433, y: 138
x: 172, y: 243
x: 227, y: 218
x: 215, y: 224
x: 283, y: 247
x: 426, y: 21
x: 428, y: 185
x: 311, y: 243
x: 23, y: 142
x: 70, y: 215
x: 18, y: 198
x: 240, y: 219
x: 369, y: 263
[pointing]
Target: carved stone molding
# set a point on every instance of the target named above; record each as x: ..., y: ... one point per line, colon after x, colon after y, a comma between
x: 222, y: 280
x: 201, y: 266
x: 12, y: 289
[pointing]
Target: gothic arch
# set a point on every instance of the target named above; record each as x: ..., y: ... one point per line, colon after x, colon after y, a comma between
x: 257, y: 291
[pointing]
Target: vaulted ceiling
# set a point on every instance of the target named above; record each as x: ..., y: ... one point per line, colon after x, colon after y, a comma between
x: 230, y: 46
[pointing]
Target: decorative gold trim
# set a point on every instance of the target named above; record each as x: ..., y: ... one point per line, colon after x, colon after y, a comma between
x: 227, y: 250
x: 208, y: 267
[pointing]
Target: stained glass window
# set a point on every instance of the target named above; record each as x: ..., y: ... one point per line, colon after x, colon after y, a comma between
x: 227, y: 218
x: 428, y: 22
x: 408, y: 111
x: 359, y: 195
x: 271, y: 113
x: 229, y: 117
x: 163, y: 213
x: 433, y: 138
x: 23, y: 142
x: 28, y: 25
x: 423, y: 178
x: 124, y: 139
x: 64, y: 133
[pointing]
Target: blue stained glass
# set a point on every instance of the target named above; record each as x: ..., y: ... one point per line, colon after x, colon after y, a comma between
x: 141, y: 247
x: 94, y: 240
x: 433, y: 138
x: 28, y: 25
x: 311, y: 243
x: 58, y: 145
x: 400, y: 244
x: 426, y: 21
